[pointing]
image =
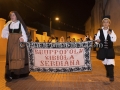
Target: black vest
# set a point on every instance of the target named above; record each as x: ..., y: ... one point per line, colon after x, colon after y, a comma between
x: 106, y: 43
x: 15, y: 30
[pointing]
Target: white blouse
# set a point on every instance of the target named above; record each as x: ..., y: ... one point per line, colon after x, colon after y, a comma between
x: 13, y: 25
x: 112, y: 35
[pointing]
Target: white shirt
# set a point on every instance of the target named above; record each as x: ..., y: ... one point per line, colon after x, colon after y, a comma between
x: 13, y: 25
x: 112, y: 35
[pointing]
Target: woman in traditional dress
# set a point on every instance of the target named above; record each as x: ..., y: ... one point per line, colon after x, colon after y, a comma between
x: 16, y: 57
x: 106, y: 37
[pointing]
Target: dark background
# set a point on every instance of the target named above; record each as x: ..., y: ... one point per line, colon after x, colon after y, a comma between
x: 37, y: 13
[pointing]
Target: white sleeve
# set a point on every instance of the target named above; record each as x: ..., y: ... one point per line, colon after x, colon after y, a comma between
x: 24, y: 36
x: 5, y: 30
x: 113, y: 36
x: 97, y: 36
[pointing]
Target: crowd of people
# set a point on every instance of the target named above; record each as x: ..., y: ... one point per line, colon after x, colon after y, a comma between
x: 54, y: 39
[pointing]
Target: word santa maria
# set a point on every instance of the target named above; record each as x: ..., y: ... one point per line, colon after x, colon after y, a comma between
x: 59, y: 57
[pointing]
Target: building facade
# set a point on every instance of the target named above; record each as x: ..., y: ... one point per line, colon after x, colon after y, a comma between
x: 101, y: 8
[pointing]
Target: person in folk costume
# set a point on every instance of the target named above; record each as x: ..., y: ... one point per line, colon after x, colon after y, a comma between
x: 87, y: 38
x: 107, y: 36
x: 16, y: 31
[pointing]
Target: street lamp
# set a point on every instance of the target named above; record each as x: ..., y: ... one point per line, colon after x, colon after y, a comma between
x: 57, y: 19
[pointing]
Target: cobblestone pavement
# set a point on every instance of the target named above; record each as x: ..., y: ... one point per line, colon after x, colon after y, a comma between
x: 94, y: 80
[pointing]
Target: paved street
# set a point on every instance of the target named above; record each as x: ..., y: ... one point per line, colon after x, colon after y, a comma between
x: 94, y: 80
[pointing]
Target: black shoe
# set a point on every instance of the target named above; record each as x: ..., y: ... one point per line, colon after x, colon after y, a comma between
x: 16, y: 76
x: 8, y: 78
x: 111, y: 72
x: 111, y: 79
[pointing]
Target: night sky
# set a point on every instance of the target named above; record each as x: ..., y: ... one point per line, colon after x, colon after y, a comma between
x: 72, y: 13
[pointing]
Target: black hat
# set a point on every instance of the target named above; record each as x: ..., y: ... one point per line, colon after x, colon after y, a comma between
x: 107, y: 16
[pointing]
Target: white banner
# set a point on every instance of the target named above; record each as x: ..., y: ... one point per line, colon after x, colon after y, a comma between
x: 59, y: 57
x: 66, y: 57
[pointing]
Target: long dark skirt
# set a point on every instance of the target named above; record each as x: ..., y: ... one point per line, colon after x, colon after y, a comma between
x: 16, y: 58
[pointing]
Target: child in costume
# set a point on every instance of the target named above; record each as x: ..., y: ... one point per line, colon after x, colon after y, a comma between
x: 106, y: 37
